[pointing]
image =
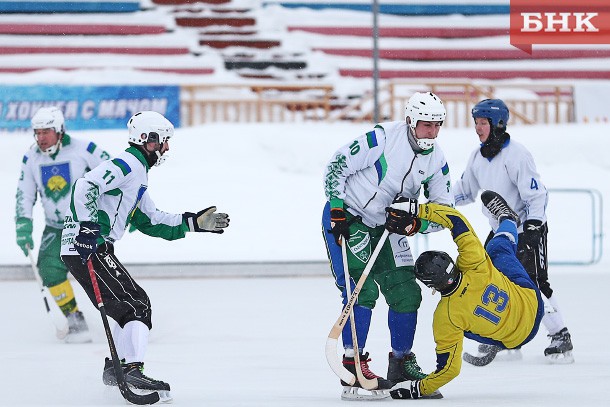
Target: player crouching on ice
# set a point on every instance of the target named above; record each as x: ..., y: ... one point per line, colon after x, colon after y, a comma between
x: 104, y: 203
x: 486, y: 295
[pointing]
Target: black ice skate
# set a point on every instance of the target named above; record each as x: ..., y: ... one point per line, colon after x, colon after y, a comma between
x: 351, y: 392
x: 498, y: 207
x: 560, y: 349
x: 78, y: 331
x: 109, y: 377
x: 406, y: 368
x: 136, y: 379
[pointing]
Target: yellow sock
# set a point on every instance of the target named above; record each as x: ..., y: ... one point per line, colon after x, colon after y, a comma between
x: 64, y: 297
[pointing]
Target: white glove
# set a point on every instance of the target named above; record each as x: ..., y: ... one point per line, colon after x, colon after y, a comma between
x: 206, y: 221
x: 406, y: 390
x: 409, y: 205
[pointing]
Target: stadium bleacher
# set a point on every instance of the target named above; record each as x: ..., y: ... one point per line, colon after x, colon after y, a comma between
x: 285, y: 40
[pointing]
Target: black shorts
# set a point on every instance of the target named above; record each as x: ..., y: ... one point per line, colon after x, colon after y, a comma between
x: 124, y: 300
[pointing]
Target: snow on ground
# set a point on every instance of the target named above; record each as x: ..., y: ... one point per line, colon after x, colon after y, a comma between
x: 260, y: 342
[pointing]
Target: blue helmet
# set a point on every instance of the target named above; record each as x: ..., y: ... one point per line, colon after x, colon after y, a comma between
x: 493, y: 109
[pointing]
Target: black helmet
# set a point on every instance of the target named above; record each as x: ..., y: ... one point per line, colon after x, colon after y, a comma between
x: 437, y: 270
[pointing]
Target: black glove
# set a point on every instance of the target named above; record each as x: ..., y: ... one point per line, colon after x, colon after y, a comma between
x: 206, y: 220
x: 85, y: 242
x: 338, y: 225
x: 402, y: 217
x: 532, y: 232
x: 406, y: 390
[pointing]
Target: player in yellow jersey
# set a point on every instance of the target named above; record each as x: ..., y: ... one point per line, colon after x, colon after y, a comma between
x: 486, y: 295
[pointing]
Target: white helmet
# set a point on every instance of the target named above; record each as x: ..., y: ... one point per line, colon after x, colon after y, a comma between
x: 149, y: 126
x: 49, y: 118
x: 425, y: 107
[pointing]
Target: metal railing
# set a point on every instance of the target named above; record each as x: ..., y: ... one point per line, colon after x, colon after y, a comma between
x: 529, y: 103
x: 574, y: 237
x: 254, y: 103
x: 596, y: 231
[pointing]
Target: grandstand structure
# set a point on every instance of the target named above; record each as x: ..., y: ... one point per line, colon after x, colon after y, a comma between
x: 286, y: 54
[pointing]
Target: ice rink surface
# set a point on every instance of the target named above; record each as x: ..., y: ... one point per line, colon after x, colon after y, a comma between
x: 260, y: 342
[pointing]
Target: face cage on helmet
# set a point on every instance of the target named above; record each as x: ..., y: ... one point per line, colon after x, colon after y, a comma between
x: 423, y: 143
x: 154, y: 137
x: 436, y: 281
x: 51, y: 149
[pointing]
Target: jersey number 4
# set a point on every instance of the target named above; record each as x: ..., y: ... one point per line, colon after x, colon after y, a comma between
x: 492, y: 294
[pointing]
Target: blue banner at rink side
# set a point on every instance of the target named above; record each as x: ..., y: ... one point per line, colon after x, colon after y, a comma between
x: 79, y: 6
x: 86, y: 107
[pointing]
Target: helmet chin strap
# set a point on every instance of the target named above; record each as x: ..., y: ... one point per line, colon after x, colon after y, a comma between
x: 154, y: 158
x: 52, y: 149
x: 425, y: 143
x: 418, y: 145
x: 160, y: 158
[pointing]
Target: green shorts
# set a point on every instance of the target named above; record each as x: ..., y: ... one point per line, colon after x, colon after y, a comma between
x: 52, y: 269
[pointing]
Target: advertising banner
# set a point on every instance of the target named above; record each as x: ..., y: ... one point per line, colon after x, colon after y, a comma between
x: 86, y: 107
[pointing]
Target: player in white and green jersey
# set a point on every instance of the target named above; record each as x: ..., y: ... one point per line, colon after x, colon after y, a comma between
x: 104, y: 203
x: 395, y: 160
x: 49, y: 170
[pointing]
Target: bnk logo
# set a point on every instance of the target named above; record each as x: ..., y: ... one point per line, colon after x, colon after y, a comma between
x: 559, y: 22
x: 563, y: 22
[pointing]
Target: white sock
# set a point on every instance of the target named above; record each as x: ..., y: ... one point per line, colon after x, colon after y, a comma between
x: 135, y: 341
x: 552, y: 320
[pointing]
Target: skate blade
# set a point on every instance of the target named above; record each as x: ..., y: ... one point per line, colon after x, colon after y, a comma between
x: 80, y: 337
x: 565, y: 358
x: 350, y: 393
x: 164, y: 395
x: 509, y: 355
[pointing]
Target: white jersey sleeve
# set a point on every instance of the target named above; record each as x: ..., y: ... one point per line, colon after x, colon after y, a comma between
x: 466, y: 189
x: 359, y: 154
x: 87, y: 190
x: 532, y: 191
x: 153, y: 222
x: 26, y: 191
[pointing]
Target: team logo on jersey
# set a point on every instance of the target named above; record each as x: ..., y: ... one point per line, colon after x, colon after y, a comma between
x: 401, y: 250
x: 56, y: 180
x: 360, y: 245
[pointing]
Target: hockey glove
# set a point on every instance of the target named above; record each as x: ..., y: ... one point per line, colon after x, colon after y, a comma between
x: 532, y: 233
x: 406, y: 390
x: 338, y: 225
x: 402, y: 217
x: 85, y: 242
x: 24, y: 234
x: 206, y: 220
